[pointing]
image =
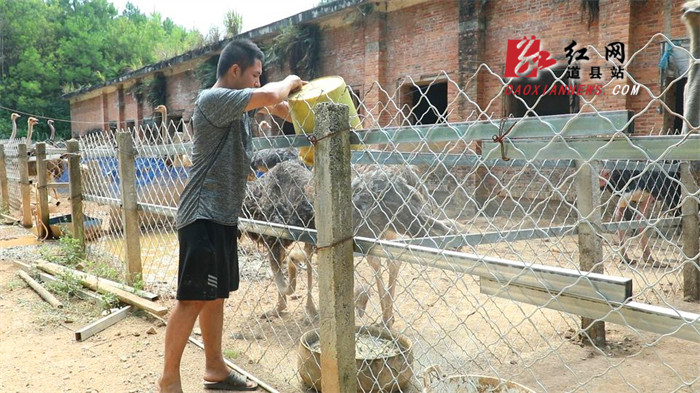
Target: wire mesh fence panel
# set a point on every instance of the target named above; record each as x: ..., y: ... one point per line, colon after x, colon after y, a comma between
x: 162, y: 162
x: 476, y: 233
x: 469, y: 230
x: 12, y: 168
x: 99, y: 171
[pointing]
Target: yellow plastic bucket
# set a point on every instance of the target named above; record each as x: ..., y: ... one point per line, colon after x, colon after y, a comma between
x: 301, y: 104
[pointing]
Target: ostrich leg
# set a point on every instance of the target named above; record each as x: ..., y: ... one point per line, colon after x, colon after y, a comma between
x: 388, y: 313
x: 276, y: 256
x: 385, y: 297
x: 311, y: 311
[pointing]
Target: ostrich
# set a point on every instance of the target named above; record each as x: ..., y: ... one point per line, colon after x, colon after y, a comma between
x: 180, y: 160
x: 14, y: 118
x: 31, y: 122
x: 638, y: 193
x: 387, y: 206
x: 691, y: 110
x: 52, y: 137
x: 53, y: 131
x: 281, y: 197
x: 163, y: 128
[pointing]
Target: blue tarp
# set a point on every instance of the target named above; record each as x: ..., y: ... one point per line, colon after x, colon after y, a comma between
x: 148, y: 170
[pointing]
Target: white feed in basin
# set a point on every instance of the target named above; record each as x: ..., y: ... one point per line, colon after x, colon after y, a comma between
x: 383, y: 360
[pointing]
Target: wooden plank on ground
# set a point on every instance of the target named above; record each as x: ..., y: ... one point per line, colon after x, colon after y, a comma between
x: 84, y: 294
x: 101, y: 324
x: 46, y: 295
x: 99, y: 285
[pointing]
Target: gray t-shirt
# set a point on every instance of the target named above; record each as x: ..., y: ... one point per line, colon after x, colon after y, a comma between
x: 221, y: 153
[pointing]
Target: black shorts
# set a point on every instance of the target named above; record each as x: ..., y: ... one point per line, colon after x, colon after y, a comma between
x: 208, y: 266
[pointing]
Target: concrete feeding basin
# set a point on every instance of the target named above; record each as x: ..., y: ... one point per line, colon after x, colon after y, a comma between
x: 434, y: 381
x: 383, y: 359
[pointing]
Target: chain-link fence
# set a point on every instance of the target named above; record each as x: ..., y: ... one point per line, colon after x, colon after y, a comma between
x: 481, y: 240
x: 12, y: 170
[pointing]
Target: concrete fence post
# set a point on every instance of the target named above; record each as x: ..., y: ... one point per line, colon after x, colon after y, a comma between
x: 691, y: 234
x: 130, y: 213
x: 590, y: 246
x: 333, y: 207
x: 76, y: 191
x: 42, y: 192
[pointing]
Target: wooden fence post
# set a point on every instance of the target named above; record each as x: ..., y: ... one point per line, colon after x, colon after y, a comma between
x: 25, y: 191
x: 76, y: 191
x: 333, y: 207
x: 590, y: 246
x: 691, y: 234
x: 42, y: 193
x: 4, y: 188
x: 130, y: 213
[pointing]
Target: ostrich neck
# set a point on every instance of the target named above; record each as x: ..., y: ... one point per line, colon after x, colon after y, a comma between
x: 691, y: 109
x: 14, y: 130
x: 694, y: 32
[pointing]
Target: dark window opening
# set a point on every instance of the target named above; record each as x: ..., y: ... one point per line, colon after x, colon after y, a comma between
x: 428, y: 103
x: 175, y: 124
x: 550, y: 104
x: 673, y: 124
x: 287, y: 128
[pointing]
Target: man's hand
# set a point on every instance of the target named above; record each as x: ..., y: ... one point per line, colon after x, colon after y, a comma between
x: 295, y: 83
x: 275, y: 92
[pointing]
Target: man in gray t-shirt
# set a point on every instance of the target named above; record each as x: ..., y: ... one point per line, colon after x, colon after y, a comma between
x: 209, y: 207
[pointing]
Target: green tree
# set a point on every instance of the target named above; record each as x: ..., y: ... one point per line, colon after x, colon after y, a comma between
x: 233, y: 21
x: 50, y: 47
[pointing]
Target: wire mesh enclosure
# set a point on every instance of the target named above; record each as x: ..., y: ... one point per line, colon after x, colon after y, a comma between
x: 545, y: 250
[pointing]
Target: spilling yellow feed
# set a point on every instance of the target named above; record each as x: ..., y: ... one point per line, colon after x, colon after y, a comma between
x: 301, y: 104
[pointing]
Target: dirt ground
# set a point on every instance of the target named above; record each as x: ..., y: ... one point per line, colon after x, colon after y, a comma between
x: 39, y: 353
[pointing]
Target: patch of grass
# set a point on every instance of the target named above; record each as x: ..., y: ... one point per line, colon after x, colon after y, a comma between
x: 109, y: 301
x: 15, y: 283
x: 67, y: 285
x: 70, y: 252
x: 103, y: 269
x: 138, y: 282
x: 231, y: 354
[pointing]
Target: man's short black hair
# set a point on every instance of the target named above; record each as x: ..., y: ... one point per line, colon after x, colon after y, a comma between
x: 242, y: 52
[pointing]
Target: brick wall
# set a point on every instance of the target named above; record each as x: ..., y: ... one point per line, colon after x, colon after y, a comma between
x: 182, y: 91
x: 654, y: 16
x: 86, y: 115
x: 130, y: 108
x: 423, y: 41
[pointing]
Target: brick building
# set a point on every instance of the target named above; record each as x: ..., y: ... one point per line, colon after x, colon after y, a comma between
x: 391, y: 52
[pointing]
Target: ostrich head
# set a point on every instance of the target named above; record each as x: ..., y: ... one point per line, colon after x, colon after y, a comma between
x: 691, y: 12
x: 163, y: 110
x: 31, y: 122
x: 14, y: 118
x: 691, y: 17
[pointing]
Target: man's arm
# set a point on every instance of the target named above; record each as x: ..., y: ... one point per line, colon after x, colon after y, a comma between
x: 274, y: 93
x: 280, y: 110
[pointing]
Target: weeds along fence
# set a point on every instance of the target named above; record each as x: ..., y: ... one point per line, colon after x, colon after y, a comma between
x: 524, y: 249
